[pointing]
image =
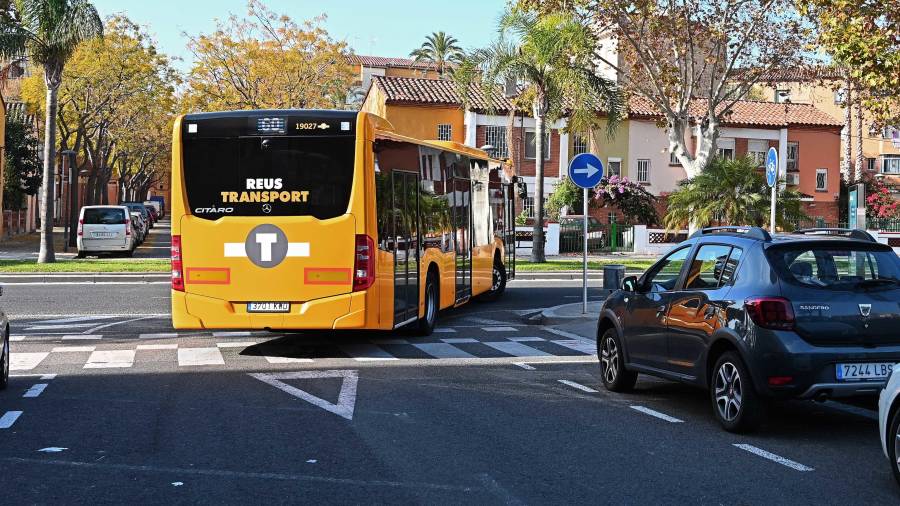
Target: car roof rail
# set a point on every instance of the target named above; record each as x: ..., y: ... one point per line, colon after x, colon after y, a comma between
x: 853, y: 233
x: 751, y: 232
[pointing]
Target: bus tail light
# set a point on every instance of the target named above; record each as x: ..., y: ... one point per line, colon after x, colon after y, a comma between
x: 363, y: 263
x: 177, y: 268
x: 80, y: 228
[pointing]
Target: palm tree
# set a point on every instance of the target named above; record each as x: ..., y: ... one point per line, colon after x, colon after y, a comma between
x: 439, y: 50
x: 551, y: 56
x: 47, y: 33
x: 730, y: 192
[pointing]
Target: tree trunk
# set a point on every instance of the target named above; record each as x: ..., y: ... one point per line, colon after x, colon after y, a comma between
x: 46, y: 254
x: 858, y: 141
x: 845, y: 132
x: 537, y: 245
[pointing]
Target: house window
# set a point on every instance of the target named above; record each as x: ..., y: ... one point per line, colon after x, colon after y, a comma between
x: 821, y: 180
x: 725, y: 149
x: 643, y: 171
x: 673, y: 160
x: 782, y: 96
x: 793, y: 155
x: 612, y: 218
x: 840, y: 96
x: 614, y: 167
x: 530, y: 148
x: 870, y: 164
x: 581, y: 144
x: 528, y: 206
x: 496, y: 136
x: 756, y: 150
x: 445, y: 132
x: 890, y: 164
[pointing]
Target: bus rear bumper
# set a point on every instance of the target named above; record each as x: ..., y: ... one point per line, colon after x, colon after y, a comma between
x: 191, y: 311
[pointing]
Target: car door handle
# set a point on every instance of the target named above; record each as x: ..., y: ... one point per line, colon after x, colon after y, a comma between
x: 710, y: 312
x: 661, y: 310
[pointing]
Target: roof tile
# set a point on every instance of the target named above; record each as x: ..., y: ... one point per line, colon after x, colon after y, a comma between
x: 437, y: 92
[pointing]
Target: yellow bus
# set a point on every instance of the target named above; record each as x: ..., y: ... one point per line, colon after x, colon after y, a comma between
x: 303, y: 219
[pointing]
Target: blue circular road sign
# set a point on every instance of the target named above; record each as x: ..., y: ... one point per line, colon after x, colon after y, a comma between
x: 772, y: 167
x: 586, y: 170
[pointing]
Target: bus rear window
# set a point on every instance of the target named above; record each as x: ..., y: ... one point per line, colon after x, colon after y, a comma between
x: 275, y: 176
x: 104, y: 216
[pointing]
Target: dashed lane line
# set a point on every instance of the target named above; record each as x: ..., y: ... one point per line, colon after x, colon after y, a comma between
x: 460, y: 340
x: 148, y: 347
x: 35, y: 390
x: 162, y: 335
x: 199, y: 356
x: 73, y: 349
x: 578, y: 386
x: 656, y: 414
x: 82, y: 337
x: 773, y: 457
x: 525, y: 366
x: 499, y: 329
x: 9, y: 418
x: 110, y: 359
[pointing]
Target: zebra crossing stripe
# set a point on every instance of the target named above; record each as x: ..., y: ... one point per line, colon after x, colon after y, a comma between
x: 163, y: 335
x: 366, y: 352
x: 517, y: 349
x: 199, y: 356
x: 288, y: 360
x: 586, y: 347
x: 26, y: 361
x: 443, y: 350
x: 110, y: 359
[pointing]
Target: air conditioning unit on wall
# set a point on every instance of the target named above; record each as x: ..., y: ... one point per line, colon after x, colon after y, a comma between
x: 792, y: 178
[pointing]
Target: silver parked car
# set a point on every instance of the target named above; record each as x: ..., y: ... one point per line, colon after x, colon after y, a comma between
x: 105, y: 229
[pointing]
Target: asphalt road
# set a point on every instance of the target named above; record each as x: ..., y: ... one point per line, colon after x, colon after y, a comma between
x: 116, y: 406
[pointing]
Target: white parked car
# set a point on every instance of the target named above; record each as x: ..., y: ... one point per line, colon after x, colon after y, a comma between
x: 889, y: 420
x: 154, y: 205
x: 105, y: 229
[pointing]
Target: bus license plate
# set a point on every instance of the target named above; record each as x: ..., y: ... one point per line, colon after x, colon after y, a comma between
x: 268, y: 307
x: 864, y: 371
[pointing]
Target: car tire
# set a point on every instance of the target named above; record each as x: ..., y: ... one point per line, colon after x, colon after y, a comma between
x: 498, y: 283
x: 128, y: 253
x: 425, y: 326
x: 4, y: 360
x: 80, y: 254
x: 613, y: 374
x: 736, y: 404
x: 892, y: 441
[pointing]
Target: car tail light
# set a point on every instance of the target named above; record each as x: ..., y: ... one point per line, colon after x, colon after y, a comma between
x: 80, y: 228
x: 771, y: 312
x: 778, y: 381
x: 363, y: 263
x: 177, y: 269
x: 127, y: 227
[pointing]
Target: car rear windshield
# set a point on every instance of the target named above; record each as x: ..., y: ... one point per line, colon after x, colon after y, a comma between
x: 836, y: 266
x: 269, y: 176
x: 104, y: 216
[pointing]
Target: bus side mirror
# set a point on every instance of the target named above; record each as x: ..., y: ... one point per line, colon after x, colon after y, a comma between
x: 629, y: 284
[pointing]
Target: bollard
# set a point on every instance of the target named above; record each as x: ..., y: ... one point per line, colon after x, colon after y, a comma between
x: 613, y: 275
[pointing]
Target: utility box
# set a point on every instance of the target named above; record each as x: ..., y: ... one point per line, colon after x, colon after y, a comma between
x: 613, y: 275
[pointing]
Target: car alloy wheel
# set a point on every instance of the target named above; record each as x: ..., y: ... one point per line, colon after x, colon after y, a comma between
x: 729, y: 391
x: 609, y: 360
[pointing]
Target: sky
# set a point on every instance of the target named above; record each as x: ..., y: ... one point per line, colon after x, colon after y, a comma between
x: 370, y: 27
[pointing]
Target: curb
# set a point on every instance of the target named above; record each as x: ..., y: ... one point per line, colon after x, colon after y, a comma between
x: 82, y: 277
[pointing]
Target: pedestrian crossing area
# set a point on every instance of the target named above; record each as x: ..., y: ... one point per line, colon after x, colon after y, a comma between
x: 245, y: 349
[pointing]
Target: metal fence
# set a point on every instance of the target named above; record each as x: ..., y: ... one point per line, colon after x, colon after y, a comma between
x: 601, y: 238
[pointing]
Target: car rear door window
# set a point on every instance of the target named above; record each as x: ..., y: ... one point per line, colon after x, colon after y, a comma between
x: 713, y: 266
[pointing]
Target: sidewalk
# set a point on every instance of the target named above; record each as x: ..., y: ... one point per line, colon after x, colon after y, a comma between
x: 569, y: 319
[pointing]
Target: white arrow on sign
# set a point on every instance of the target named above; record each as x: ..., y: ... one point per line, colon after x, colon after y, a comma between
x: 346, y: 399
x: 590, y: 170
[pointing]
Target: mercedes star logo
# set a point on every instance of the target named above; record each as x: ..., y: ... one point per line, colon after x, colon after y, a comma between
x: 267, y: 208
x: 865, y: 309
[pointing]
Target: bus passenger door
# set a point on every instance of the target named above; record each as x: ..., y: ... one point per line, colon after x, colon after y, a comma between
x: 461, y: 215
x: 405, y: 210
x: 509, y: 229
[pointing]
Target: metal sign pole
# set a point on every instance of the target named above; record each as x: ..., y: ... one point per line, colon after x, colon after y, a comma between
x: 772, y: 213
x: 584, y: 260
x: 772, y: 173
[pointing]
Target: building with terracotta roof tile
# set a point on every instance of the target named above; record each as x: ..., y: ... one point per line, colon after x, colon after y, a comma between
x: 365, y: 67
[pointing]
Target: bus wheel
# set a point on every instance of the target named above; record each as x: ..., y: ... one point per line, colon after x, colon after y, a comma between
x: 498, y: 283
x: 432, y: 306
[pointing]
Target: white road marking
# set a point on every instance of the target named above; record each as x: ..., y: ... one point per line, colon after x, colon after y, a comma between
x: 59, y: 327
x: 499, y: 329
x: 16, y: 338
x: 82, y: 337
x: 199, y: 356
x: 524, y: 366
x: 459, y: 340
x: 288, y: 360
x: 578, y: 386
x: 35, y: 390
x: 578, y: 345
x: 444, y: 330
x: 517, y: 349
x: 72, y: 349
x: 231, y: 334
x: 48, y: 376
x: 173, y: 346
x: 76, y: 319
x: 563, y: 333
x: 237, y: 344
x: 657, y: 414
x: 774, y: 458
x: 99, y: 327
x: 26, y: 361
x: 110, y: 359
x: 366, y: 352
x: 52, y: 449
x: 526, y: 339
x: 163, y: 335
x: 442, y: 350
x: 9, y: 418
x: 346, y: 402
